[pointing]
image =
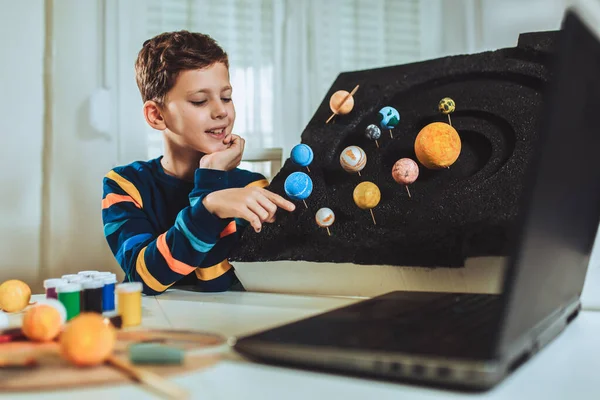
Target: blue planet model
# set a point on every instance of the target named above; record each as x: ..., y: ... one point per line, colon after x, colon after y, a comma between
x: 298, y: 186
x: 302, y: 155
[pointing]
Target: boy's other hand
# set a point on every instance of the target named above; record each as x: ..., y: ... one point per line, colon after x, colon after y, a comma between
x: 228, y: 159
x: 255, y: 205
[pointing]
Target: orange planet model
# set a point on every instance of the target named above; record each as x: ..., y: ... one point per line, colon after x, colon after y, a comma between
x: 87, y: 340
x: 437, y: 145
x: 341, y: 102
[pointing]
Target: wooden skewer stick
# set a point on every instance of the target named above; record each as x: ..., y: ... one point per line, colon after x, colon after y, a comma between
x: 359, y: 173
x: 408, y: 191
x: 305, y: 203
x: 372, y: 216
x: 328, y: 230
x: 342, y: 102
x: 308, y: 169
x: 377, y: 143
x: 141, y: 336
x: 154, y: 381
x: 449, y: 120
x: 392, y: 136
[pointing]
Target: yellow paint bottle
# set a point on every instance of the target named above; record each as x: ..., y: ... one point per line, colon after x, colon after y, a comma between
x: 129, y: 297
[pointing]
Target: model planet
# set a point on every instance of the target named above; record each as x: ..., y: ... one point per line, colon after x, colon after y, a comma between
x: 437, y: 145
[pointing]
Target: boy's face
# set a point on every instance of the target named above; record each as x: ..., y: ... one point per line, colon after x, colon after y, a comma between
x: 198, y: 110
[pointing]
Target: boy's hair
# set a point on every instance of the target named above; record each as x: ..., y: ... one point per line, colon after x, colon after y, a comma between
x: 163, y: 57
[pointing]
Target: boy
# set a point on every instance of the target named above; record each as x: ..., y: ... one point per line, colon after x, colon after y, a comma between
x: 175, y: 219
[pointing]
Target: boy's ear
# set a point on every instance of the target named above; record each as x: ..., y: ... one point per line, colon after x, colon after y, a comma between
x: 153, y: 115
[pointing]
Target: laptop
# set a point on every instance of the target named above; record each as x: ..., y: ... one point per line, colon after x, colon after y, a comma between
x: 475, y: 340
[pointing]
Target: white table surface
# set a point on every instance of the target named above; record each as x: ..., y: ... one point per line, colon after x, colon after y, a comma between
x: 569, y: 368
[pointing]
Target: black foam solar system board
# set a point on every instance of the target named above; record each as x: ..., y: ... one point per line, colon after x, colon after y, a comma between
x: 466, y: 210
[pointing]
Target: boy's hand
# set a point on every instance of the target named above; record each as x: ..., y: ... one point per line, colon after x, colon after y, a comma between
x: 227, y: 159
x: 255, y: 205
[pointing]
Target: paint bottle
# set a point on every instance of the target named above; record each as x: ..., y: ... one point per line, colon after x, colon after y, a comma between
x: 68, y: 276
x: 70, y: 295
x: 87, y: 274
x: 76, y: 279
x: 130, y: 303
x: 92, y: 295
x: 98, y: 274
x: 108, y: 292
x: 50, y: 286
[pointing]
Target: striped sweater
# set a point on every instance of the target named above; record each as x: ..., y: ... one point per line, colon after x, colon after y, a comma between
x: 160, y: 232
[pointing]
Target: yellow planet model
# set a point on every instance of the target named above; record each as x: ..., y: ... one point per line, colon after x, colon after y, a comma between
x: 366, y: 195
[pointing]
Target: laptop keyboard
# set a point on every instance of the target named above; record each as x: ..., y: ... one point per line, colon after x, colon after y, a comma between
x: 425, y: 323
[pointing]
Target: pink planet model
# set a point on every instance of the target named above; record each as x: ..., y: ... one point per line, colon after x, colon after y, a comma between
x: 405, y: 171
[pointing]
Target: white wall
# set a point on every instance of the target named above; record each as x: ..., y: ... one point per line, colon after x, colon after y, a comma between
x: 78, y: 156
x: 502, y: 21
x: 81, y: 155
x: 22, y: 108
x: 471, y: 26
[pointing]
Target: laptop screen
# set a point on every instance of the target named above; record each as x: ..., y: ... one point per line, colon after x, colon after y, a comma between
x: 561, y: 209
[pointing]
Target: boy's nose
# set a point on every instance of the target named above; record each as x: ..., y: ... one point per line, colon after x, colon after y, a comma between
x: 219, y: 111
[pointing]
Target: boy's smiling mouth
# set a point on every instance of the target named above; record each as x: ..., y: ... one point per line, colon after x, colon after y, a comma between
x: 218, y: 133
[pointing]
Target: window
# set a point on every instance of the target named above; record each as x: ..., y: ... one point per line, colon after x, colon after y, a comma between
x: 285, y: 54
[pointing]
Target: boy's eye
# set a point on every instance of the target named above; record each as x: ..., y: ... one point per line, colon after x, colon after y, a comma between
x: 198, y: 103
x: 226, y: 99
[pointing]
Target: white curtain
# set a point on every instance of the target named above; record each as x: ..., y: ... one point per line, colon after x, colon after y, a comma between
x: 285, y: 54
x: 316, y: 40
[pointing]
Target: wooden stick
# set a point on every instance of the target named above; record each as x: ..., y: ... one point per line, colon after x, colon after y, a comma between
x: 308, y: 169
x: 140, y: 336
x: 343, y: 101
x: 154, y: 381
x: 449, y: 120
x: 359, y: 173
x: 377, y: 143
x: 392, y: 136
x: 305, y: 203
x: 328, y: 230
x: 26, y: 354
x: 372, y: 216
x: 406, y: 186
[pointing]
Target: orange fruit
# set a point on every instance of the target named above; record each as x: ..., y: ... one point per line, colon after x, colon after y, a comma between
x: 14, y: 295
x: 43, y: 322
x: 87, y: 340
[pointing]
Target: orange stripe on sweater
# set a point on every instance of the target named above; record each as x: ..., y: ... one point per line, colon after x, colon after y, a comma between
x: 113, y: 198
x: 210, y: 273
x: 229, y: 229
x: 175, y: 265
x: 261, y: 183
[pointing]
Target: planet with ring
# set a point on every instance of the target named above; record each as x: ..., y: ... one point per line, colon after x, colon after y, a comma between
x: 341, y: 102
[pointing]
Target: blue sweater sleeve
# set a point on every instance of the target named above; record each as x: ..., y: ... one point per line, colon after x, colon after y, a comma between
x: 159, y: 259
x: 210, y: 274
